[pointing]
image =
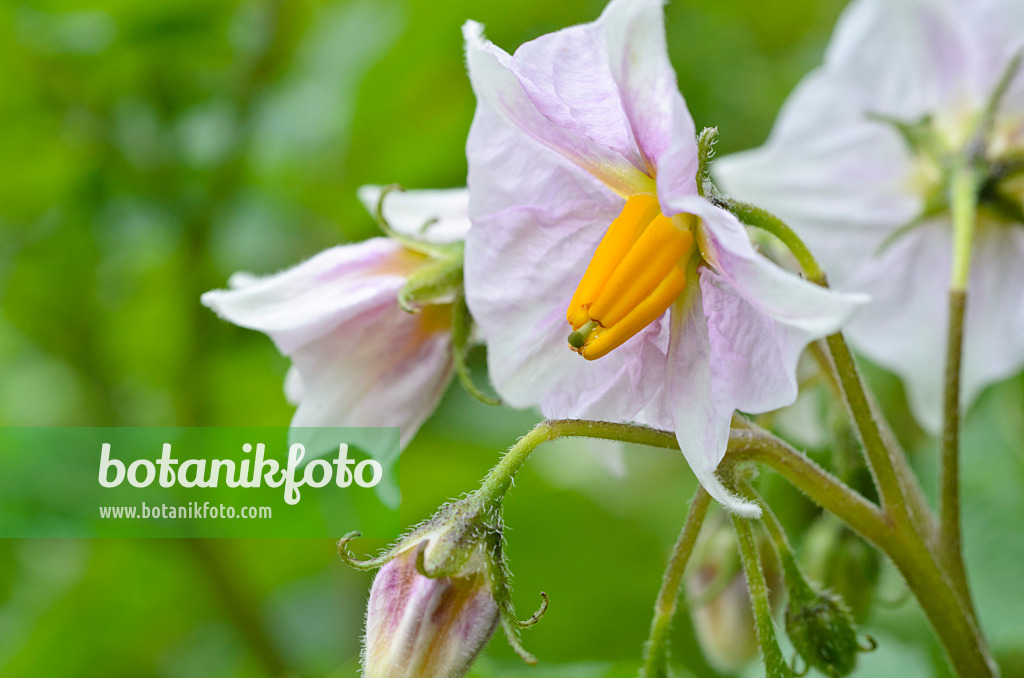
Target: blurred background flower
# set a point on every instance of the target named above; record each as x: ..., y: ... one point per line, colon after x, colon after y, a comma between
x: 150, y: 149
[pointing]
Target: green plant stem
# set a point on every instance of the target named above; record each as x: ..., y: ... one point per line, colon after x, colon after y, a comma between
x: 496, y: 483
x: 754, y: 444
x: 949, y: 532
x: 881, y: 459
x: 768, y: 517
x: 950, y: 617
x: 775, y: 664
x: 766, y: 221
x: 964, y: 204
x: 900, y: 540
x: 656, y: 649
x: 921, y: 512
x: 909, y: 521
x: 893, y: 477
x: 963, y: 199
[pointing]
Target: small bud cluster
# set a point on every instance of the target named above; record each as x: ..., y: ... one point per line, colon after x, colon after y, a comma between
x: 819, y: 625
x: 439, y: 596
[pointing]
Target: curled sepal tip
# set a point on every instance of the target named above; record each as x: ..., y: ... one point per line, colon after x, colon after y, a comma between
x: 353, y: 562
x: 510, y: 622
x: 510, y: 625
x: 462, y: 331
x: 525, y: 624
x: 435, y: 250
x: 869, y: 644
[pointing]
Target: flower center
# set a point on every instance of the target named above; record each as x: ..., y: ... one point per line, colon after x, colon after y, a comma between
x: 637, y: 271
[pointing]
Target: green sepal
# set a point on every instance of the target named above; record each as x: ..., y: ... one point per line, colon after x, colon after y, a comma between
x: 705, y: 152
x: 918, y: 135
x: 819, y: 624
x: 462, y: 332
x: 436, y: 282
x: 501, y: 589
x: 421, y: 245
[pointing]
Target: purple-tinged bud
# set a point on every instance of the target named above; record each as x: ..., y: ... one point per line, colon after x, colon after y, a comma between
x: 427, y: 627
x: 719, y: 600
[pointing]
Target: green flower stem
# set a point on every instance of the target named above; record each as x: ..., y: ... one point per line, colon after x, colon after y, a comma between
x: 499, y: 479
x: 747, y: 442
x: 893, y: 477
x: 949, y: 540
x: 950, y: 617
x: 905, y: 513
x: 964, y: 202
x: 766, y: 221
x: 775, y: 664
x: 755, y: 444
x: 656, y: 650
x: 920, y: 511
x: 899, y: 539
x: 771, y: 521
x: 882, y: 459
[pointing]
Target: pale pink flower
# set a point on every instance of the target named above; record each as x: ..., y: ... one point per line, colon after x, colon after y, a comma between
x: 848, y: 183
x: 427, y: 627
x: 575, y: 129
x: 358, y: 359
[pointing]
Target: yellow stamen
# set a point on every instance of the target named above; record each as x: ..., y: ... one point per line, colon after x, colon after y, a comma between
x: 604, y: 340
x: 637, y: 272
x: 639, y: 211
x: 658, y: 250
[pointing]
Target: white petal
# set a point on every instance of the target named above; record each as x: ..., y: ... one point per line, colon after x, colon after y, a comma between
x: 994, y: 339
x: 843, y: 182
x: 384, y: 367
x: 753, y: 356
x: 439, y: 216
x: 358, y: 359
x: 912, y: 55
x: 905, y: 327
x: 604, y: 152
x: 702, y: 410
x: 307, y: 301
x: 784, y: 297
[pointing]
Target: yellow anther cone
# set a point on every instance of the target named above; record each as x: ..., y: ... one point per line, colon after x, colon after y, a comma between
x: 637, y: 272
x: 659, y: 250
x: 604, y: 340
x: 638, y: 212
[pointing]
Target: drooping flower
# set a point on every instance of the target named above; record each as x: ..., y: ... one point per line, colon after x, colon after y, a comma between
x: 358, y: 358
x: 427, y: 627
x: 855, y: 164
x: 584, y: 202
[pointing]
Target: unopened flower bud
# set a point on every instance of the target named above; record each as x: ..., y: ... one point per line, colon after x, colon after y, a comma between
x: 843, y: 563
x: 819, y: 625
x: 427, y: 627
x: 720, y: 601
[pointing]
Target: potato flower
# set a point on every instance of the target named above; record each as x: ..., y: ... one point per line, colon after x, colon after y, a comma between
x: 587, y: 220
x: 858, y: 164
x: 358, y: 357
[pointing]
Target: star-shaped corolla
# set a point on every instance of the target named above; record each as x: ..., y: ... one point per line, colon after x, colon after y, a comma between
x: 358, y: 359
x: 860, y: 192
x: 583, y: 196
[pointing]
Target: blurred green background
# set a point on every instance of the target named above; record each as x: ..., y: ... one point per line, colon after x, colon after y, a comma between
x: 150, y: 149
